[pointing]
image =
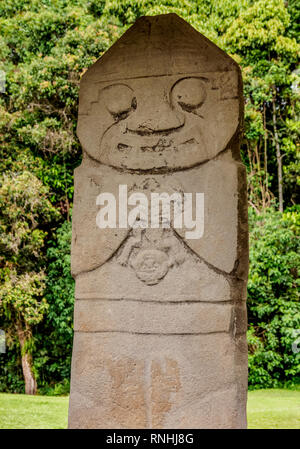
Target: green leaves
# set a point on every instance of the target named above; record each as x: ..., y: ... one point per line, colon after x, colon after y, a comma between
x: 20, y: 297
x: 24, y: 207
x: 273, y: 298
x: 45, y: 48
x: 58, y: 325
x: 259, y: 31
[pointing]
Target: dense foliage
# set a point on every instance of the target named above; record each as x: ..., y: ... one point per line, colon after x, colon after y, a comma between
x: 45, y: 46
x: 273, y: 300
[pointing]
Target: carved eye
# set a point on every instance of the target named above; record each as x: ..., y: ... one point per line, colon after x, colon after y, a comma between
x: 119, y: 100
x: 189, y: 93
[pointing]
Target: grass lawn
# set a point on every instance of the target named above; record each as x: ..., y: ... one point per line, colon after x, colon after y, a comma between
x: 19, y: 411
x: 274, y: 409
x: 267, y: 409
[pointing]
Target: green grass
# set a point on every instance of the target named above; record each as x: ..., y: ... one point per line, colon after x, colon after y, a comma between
x: 19, y: 411
x: 267, y: 409
x: 274, y: 409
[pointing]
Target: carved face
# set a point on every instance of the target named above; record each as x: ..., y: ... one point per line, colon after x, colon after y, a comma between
x: 157, y: 123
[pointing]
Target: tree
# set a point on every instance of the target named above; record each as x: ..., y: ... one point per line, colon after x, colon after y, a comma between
x: 259, y: 36
x: 45, y: 47
x: 23, y: 207
x: 22, y: 308
x: 273, y: 298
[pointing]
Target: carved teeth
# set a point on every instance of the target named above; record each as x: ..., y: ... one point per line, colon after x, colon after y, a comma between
x: 123, y: 146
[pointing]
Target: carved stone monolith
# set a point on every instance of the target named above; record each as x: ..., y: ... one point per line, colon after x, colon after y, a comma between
x: 160, y: 236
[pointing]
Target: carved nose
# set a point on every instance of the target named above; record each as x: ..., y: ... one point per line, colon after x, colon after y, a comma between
x: 153, y: 117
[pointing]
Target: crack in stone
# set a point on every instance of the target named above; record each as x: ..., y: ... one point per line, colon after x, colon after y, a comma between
x: 171, y: 74
x: 179, y: 334
x: 162, y: 301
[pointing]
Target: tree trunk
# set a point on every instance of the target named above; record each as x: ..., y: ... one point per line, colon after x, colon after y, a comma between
x: 278, y: 156
x: 30, y: 382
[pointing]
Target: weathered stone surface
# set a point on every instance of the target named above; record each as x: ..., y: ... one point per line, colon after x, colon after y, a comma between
x: 160, y: 318
x: 153, y: 317
x: 158, y: 381
x: 218, y: 179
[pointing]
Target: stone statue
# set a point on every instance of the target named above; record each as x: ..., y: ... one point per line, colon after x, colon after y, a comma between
x: 160, y: 311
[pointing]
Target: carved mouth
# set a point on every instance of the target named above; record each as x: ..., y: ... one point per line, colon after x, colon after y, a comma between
x: 161, y: 144
x: 175, y: 149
